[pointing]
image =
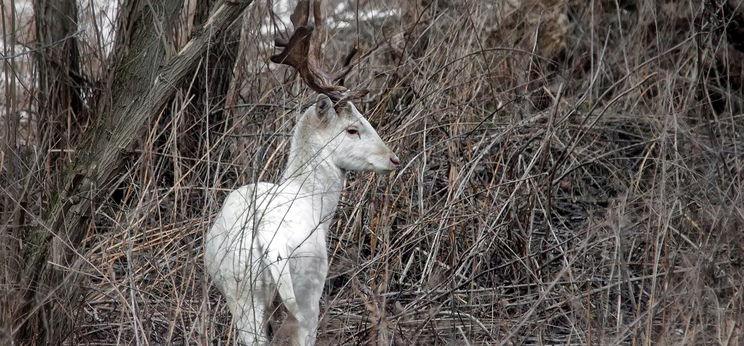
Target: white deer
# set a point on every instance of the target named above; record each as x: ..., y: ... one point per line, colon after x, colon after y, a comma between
x: 273, y: 237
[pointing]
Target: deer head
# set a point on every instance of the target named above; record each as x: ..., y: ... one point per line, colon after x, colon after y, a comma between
x: 342, y: 136
x: 303, y: 51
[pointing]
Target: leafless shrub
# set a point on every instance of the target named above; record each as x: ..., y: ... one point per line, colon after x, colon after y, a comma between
x: 574, y: 175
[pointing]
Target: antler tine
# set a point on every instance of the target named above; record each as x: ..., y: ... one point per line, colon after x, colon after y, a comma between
x: 318, y: 17
x: 301, y: 12
x: 299, y: 19
x: 303, y: 51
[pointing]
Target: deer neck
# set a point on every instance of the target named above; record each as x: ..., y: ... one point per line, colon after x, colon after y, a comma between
x: 317, y: 179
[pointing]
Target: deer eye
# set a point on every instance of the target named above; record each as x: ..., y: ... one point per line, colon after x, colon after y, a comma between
x: 352, y: 131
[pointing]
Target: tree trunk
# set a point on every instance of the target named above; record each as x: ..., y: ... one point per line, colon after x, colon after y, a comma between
x: 60, y: 103
x: 144, y: 81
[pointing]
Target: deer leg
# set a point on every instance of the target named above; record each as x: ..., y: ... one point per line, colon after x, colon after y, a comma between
x: 277, y: 262
x: 249, y: 310
x: 309, y: 273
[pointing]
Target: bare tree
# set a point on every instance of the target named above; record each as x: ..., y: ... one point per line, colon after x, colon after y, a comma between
x: 145, y: 77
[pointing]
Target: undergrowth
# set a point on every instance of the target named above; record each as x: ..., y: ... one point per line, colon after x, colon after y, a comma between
x: 572, y: 175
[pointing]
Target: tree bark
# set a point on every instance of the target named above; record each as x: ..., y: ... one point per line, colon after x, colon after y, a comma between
x: 145, y: 80
x: 59, y: 101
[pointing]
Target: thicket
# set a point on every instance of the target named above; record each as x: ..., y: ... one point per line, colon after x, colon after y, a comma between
x: 573, y: 170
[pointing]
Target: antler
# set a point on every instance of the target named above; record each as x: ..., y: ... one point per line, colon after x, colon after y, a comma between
x: 303, y: 51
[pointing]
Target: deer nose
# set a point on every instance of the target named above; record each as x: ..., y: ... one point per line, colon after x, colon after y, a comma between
x: 395, y: 160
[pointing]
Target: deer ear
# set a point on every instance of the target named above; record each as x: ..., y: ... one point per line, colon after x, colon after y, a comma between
x: 324, y: 108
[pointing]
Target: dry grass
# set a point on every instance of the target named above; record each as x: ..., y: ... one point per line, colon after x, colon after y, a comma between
x: 573, y: 175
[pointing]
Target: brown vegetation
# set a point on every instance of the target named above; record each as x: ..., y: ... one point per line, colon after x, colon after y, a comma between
x: 573, y: 171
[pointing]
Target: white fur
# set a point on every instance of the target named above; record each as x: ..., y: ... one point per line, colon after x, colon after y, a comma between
x: 273, y: 237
